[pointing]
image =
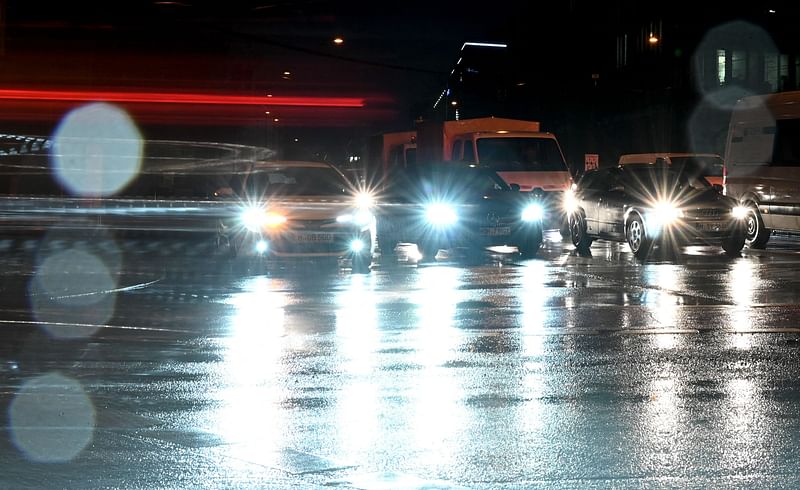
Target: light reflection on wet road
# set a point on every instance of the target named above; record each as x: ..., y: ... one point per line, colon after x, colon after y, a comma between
x: 559, y: 371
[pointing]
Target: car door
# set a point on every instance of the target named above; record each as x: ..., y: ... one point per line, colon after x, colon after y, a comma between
x: 592, y: 188
x: 611, y: 207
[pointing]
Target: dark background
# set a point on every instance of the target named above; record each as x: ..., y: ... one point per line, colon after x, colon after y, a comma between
x: 584, y: 69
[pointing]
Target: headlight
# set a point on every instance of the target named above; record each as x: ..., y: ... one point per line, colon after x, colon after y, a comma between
x: 365, y: 200
x: 360, y: 218
x: 255, y: 219
x: 570, y: 201
x: 739, y: 212
x: 356, y: 245
x: 533, y: 212
x: 664, y: 213
x: 441, y: 214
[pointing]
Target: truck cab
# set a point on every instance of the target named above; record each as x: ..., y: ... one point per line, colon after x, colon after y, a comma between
x: 517, y: 150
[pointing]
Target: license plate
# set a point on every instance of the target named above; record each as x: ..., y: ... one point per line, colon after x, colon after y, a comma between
x: 313, y: 238
x: 497, y: 231
x: 713, y: 227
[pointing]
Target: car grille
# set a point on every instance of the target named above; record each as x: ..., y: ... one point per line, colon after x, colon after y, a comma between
x: 312, y: 224
x: 704, y: 213
x: 493, y: 219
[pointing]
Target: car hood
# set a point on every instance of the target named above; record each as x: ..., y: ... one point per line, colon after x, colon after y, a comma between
x: 310, y: 207
x: 706, y: 199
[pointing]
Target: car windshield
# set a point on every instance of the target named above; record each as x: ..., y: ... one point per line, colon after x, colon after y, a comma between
x: 664, y: 181
x: 705, y: 166
x: 521, y: 154
x: 296, y: 181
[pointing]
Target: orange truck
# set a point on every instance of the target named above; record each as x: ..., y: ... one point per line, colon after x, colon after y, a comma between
x: 387, y: 151
x: 517, y: 150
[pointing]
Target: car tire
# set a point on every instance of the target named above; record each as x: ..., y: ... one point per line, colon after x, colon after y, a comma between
x: 756, y: 234
x: 734, y: 243
x: 565, y: 229
x: 361, y: 264
x: 530, y: 243
x: 428, y: 251
x: 637, y: 238
x: 578, y: 233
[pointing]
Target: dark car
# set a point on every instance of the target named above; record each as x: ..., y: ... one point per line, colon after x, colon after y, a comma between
x: 646, y: 205
x: 451, y: 207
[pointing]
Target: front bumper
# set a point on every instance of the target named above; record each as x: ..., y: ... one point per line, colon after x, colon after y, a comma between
x: 697, y: 232
x: 481, y: 235
x: 304, y: 245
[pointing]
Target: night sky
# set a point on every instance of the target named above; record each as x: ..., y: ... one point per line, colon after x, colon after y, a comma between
x: 396, y: 57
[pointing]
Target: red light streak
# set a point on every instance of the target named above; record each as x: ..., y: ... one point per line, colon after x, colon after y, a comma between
x: 178, y: 98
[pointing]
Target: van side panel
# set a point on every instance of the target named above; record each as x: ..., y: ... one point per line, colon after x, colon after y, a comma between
x: 762, y: 160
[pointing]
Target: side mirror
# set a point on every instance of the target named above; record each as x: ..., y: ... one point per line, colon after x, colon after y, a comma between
x: 538, y: 193
x: 718, y: 188
x: 514, y: 187
x: 223, y: 192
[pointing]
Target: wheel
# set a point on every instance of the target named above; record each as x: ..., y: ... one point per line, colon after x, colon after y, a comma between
x: 428, y: 251
x: 577, y: 230
x: 756, y: 234
x: 530, y: 243
x: 361, y: 263
x: 565, y: 228
x: 638, y: 240
x: 734, y: 243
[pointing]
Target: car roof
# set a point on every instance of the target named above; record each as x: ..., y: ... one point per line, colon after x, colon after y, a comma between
x: 290, y: 164
x: 629, y: 158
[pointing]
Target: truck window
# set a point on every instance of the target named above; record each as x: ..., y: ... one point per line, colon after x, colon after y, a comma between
x: 456, y: 155
x: 411, y: 157
x: 521, y: 155
x: 786, y: 151
x: 469, y: 152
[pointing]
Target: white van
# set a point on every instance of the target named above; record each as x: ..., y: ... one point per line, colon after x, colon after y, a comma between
x: 762, y: 163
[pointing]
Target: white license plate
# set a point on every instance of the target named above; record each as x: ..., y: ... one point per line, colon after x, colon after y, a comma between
x: 497, y: 231
x: 713, y: 227
x: 313, y: 238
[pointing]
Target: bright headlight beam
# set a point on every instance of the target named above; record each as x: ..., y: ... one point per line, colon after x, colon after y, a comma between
x: 253, y: 218
x: 274, y: 219
x: 570, y: 201
x: 532, y: 212
x: 739, y: 212
x: 356, y: 245
x: 664, y: 213
x: 365, y: 200
x: 441, y: 214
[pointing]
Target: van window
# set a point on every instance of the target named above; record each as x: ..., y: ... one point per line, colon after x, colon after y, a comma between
x: 786, y: 152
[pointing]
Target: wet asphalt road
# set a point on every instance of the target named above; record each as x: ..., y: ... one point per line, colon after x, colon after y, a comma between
x: 154, y: 364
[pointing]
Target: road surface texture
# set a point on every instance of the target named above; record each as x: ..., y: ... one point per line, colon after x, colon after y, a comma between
x: 153, y: 363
